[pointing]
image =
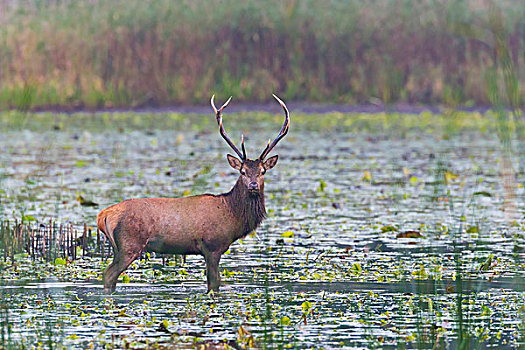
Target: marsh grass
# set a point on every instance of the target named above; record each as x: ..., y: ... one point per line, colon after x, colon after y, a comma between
x: 50, y: 243
x: 98, y: 54
x: 472, y: 329
x: 503, y: 83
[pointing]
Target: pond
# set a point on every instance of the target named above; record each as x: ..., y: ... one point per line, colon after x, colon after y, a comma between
x: 383, y: 230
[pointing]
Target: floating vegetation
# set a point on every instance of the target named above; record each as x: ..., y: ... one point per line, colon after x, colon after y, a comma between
x: 385, y: 231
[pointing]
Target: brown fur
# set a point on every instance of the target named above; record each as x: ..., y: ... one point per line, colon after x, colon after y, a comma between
x: 249, y: 208
x: 205, y: 225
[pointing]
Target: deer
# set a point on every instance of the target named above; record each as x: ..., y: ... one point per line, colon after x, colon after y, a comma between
x: 205, y: 224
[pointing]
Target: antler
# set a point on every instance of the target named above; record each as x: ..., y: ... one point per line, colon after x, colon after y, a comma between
x: 223, y: 133
x: 282, y: 133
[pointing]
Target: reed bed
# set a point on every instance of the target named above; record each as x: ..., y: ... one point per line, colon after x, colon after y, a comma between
x: 50, y: 242
x: 103, y: 54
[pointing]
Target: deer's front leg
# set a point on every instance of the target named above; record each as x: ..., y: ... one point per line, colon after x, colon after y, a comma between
x: 212, y: 272
x: 212, y: 267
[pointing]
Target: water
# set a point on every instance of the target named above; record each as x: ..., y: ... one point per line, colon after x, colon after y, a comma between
x: 328, y: 268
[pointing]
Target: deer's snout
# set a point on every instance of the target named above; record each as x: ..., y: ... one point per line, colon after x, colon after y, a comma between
x: 253, y: 186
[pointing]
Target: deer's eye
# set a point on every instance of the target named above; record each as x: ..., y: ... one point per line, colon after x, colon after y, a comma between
x: 243, y: 172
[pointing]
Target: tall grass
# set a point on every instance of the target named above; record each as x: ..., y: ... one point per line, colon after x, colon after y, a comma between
x: 503, y: 85
x: 142, y: 52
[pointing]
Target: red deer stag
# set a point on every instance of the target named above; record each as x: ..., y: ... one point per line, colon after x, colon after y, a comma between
x: 205, y: 224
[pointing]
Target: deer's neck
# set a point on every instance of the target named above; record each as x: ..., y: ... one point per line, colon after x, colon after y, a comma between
x: 247, y: 207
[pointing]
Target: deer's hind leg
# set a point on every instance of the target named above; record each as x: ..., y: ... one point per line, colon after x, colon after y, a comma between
x: 125, y: 254
x: 121, y: 261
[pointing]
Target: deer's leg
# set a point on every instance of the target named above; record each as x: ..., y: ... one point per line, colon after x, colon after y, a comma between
x: 111, y: 274
x: 119, y: 264
x: 212, y: 268
x: 212, y: 271
x: 126, y: 251
x: 110, y: 277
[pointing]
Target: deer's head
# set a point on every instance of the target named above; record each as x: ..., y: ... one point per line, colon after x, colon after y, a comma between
x: 252, y: 171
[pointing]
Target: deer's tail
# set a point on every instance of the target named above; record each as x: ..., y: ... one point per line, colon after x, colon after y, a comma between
x: 102, y: 224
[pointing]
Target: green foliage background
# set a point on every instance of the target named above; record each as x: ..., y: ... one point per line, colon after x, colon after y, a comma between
x: 131, y: 53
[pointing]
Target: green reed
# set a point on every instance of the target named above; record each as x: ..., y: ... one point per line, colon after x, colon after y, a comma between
x: 95, y: 54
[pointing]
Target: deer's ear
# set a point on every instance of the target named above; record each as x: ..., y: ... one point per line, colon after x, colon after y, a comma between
x: 270, y: 162
x: 235, y: 163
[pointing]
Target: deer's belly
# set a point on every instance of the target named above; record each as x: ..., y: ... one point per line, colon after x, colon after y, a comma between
x: 171, y: 246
